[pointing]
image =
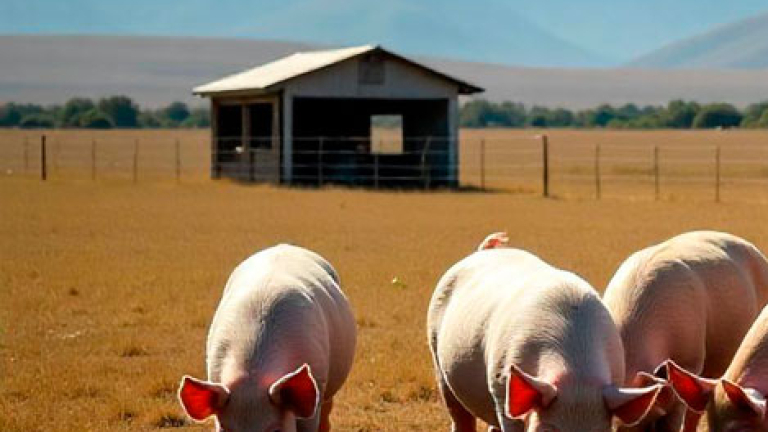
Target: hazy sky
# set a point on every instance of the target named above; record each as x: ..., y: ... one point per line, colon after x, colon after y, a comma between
x: 616, y: 30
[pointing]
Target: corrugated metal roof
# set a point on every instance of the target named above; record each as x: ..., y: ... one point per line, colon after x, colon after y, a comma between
x: 287, y: 68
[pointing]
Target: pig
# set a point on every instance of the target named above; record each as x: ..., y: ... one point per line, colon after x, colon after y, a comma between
x: 736, y: 401
x: 280, y: 346
x: 690, y: 299
x: 524, y: 346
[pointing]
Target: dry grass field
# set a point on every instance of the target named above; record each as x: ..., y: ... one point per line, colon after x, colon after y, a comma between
x: 107, y: 287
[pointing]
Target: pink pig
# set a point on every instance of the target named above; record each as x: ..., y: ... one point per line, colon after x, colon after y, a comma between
x: 737, y: 401
x: 691, y: 298
x: 280, y: 346
x: 527, y: 347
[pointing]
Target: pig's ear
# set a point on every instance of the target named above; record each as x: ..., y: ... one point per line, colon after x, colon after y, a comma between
x: 694, y: 390
x: 745, y: 397
x: 666, y: 398
x: 202, y: 399
x: 525, y: 392
x: 493, y: 241
x: 297, y: 391
x: 631, y: 405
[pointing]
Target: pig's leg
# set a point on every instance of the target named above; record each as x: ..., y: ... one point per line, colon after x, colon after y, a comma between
x: 461, y: 419
x: 325, y: 416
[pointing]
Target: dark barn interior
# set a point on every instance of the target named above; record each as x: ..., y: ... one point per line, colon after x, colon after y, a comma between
x: 347, y: 157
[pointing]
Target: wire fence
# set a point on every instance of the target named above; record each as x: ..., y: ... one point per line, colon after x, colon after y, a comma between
x: 530, y: 163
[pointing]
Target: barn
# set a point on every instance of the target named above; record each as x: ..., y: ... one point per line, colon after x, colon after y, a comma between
x: 358, y: 116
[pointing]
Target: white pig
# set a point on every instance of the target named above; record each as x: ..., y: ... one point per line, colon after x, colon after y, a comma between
x: 690, y: 299
x: 525, y: 346
x: 737, y: 401
x: 280, y: 346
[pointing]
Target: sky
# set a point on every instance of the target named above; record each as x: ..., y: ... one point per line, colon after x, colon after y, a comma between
x: 614, y: 31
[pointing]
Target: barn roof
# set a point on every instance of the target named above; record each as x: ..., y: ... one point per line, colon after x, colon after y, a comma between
x: 301, y: 63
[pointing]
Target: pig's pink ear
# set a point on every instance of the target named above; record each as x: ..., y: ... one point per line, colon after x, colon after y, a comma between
x: 525, y: 392
x: 666, y: 398
x: 631, y: 405
x: 202, y: 399
x: 694, y: 390
x: 745, y: 397
x: 493, y: 241
x: 297, y: 391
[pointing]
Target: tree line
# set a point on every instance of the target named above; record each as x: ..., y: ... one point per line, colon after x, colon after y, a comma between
x: 122, y: 112
x: 677, y: 114
x: 105, y: 113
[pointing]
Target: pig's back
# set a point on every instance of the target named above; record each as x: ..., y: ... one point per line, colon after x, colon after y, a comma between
x: 285, y: 293
x: 501, y: 306
x: 690, y: 298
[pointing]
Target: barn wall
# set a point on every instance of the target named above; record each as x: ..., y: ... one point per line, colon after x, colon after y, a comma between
x: 401, y: 81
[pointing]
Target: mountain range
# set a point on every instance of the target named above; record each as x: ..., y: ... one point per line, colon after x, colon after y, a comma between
x: 741, y: 45
x: 155, y: 71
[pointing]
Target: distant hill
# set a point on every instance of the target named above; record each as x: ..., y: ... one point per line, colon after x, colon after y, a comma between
x: 742, y: 45
x: 155, y: 71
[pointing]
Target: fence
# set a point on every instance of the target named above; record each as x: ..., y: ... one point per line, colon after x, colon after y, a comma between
x: 524, y: 163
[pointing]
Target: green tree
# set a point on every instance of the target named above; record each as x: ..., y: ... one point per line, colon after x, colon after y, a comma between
x: 37, y: 121
x: 680, y: 114
x: 95, y: 119
x: 763, y: 122
x: 70, y: 114
x: 753, y: 113
x: 177, y: 112
x: 148, y: 119
x: 198, y: 118
x: 599, y: 117
x: 10, y: 115
x: 538, y: 117
x: 717, y: 115
x: 121, y: 109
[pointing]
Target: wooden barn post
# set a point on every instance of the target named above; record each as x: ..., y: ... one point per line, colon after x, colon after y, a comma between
x: 43, y: 161
x: 545, y: 164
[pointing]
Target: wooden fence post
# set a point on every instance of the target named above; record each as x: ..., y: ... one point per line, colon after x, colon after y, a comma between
x: 43, y: 161
x: 656, y: 172
x: 482, y: 164
x: 178, y: 160
x: 545, y: 164
x: 93, y: 160
x: 320, y: 161
x: 136, y: 161
x: 717, y: 174
x: 598, y: 186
